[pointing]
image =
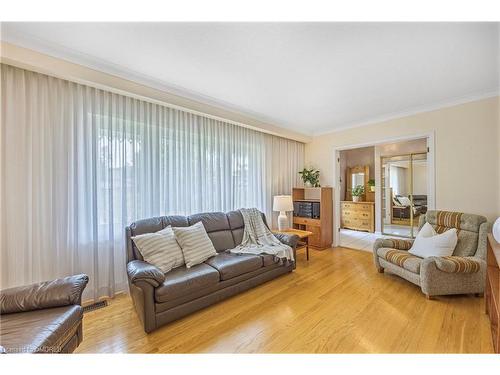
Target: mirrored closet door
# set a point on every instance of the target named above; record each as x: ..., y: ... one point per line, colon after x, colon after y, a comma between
x: 404, y: 193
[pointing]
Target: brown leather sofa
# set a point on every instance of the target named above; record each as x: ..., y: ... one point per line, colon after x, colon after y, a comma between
x: 161, y: 298
x: 42, y: 318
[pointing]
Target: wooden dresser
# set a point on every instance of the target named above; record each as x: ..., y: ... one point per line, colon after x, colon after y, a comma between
x: 358, y: 215
x: 492, y: 291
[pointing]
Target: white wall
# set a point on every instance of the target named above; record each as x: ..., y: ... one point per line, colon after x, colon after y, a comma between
x: 467, y: 152
x: 420, y: 179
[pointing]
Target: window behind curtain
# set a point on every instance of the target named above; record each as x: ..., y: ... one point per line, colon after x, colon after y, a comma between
x: 80, y: 163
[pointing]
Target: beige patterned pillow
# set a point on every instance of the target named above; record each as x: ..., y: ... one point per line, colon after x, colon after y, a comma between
x: 195, y: 243
x: 160, y: 249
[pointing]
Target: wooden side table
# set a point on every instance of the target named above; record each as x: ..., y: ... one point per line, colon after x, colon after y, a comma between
x: 303, y: 236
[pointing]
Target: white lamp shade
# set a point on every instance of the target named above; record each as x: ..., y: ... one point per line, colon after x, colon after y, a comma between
x: 282, y: 203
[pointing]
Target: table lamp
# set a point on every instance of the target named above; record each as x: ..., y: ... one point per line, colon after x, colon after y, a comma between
x: 282, y: 203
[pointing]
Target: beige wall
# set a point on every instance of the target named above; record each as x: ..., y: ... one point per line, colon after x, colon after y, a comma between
x: 467, y: 156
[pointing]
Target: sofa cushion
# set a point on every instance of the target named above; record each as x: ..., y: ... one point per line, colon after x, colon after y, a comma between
x: 401, y: 258
x: 232, y: 265
x: 181, y: 281
x: 237, y: 225
x: 217, y: 226
x: 222, y: 240
x: 45, y: 331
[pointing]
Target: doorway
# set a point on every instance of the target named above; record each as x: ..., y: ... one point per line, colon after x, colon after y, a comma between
x: 422, y: 148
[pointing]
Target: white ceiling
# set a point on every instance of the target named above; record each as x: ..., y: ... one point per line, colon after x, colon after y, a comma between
x: 307, y: 77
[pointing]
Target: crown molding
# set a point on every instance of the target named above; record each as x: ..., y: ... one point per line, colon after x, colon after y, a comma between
x: 411, y: 112
x: 47, y: 59
x: 15, y: 45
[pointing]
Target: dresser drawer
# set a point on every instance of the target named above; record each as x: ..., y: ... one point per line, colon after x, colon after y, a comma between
x: 357, y: 206
x: 306, y: 221
x: 356, y: 214
x: 367, y: 207
x: 348, y: 206
x: 357, y: 222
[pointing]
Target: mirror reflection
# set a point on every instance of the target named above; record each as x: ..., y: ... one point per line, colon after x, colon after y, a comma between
x: 358, y: 179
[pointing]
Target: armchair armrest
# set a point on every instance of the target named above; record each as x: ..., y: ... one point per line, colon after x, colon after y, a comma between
x: 392, y: 243
x: 451, y: 279
x: 288, y: 239
x: 44, y: 295
x: 456, y: 264
x: 139, y: 270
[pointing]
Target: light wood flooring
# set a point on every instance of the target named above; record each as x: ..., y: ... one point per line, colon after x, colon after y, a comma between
x: 335, y: 303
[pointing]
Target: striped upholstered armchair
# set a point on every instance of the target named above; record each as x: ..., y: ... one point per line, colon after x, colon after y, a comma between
x: 463, y: 272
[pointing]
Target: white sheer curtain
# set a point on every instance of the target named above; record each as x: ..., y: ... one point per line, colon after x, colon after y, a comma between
x: 78, y: 164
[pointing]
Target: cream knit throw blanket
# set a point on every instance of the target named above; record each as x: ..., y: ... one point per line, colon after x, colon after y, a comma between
x: 258, y: 239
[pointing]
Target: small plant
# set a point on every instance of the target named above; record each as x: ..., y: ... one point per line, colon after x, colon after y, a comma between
x: 358, y: 191
x: 371, y: 185
x: 310, y: 177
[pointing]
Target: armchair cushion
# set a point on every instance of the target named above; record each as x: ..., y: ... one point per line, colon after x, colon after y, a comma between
x: 139, y: 270
x: 44, y: 331
x: 453, y: 264
x: 44, y: 295
x: 401, y: 258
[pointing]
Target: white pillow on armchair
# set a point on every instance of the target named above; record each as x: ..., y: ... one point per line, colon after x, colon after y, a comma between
x: 430, y: 244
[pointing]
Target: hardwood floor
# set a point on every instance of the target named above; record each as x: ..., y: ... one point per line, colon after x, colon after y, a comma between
x: 335, y: 303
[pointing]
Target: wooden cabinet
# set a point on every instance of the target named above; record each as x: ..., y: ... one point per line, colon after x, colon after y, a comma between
x: 315, y: 237
x: 492, y: 290
x: 322, y: 227
x: 358, y: 215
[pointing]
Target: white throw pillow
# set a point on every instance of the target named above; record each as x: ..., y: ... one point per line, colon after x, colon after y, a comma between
x: 430, y: 244
x: 195, y: 243
x: 160, y: 249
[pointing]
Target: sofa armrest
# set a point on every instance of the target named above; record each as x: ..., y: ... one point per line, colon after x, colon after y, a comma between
x: 288, y: 239
x: 139, y: 270
x: 456, y: 264
x: 44, y: 295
